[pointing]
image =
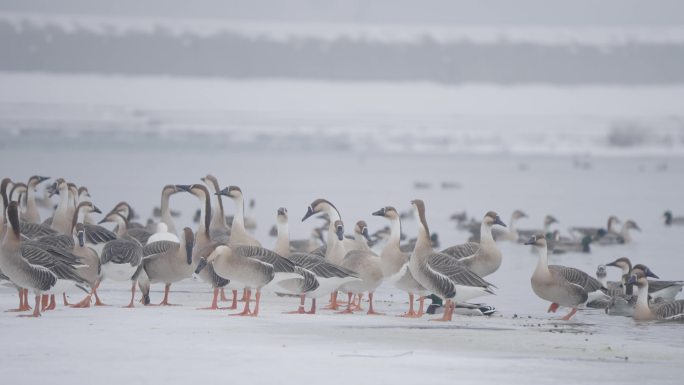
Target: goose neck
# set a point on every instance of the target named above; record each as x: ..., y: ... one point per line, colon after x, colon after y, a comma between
x: 282, y: 246
x: 486, y: 233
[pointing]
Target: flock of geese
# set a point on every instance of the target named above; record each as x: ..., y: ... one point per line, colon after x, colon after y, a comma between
x: 71, y: 252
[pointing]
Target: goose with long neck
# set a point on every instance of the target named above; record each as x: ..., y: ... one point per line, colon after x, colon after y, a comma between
x: 31, y: 267
x: 133, y: 230
x: 5, y: 202
x: 394, y: 263
x: 90, y: 271
x: 18, y: 193
x: 166, y: 217
x: 643, y: 311
x: 168, y: 262
x: 360, y: 240
x: 61, y: 219
x: 441, y: 274
x: 238, y: 233
x: 335, y: 249
x: 561, y: 285
x: 524, y: 235
x: 483, y: 258
x: 204, y: 245
x: 218, y: 229
x: 121, y: 258
x: 512, y: 233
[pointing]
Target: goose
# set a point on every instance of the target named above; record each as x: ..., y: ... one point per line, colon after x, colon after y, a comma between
x: 218, y: 229
x: 32, y: 214
x: 242, y: 267
x: 614, y: 289
x: 135, y: 231
x: 165, y: 211
x: 366, y: 264
x: 335, y: 249
x: 672, y: 220
x: 121, y: 258
x: 327, y: 276
x: 238, y: 233
x: 597, y: 232
x: 482, y: 258
x: 360, y: 239
x: 526, y: 234
x: 168, y: 261
x: 666, y: 290
x: 666, y: 311
x: 563, y: 286
x: 61, y: 219
x: 442, y: 274
x: 559, y: 245
x: 32, y: 267
x: 394, y: 263
x: 512, y: 234
x: 204, y: 245
x: 619, y: 238
x: 162, y: 233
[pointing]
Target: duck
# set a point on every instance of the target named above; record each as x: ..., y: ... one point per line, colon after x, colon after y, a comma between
x: 643, y: 311
x: 671, y: 220
x: 32, y: 267
x: 394, y: 264
x: 441, y: 274
x: 482, y: 258
x: 168, y: 262
x: 524, y: 235
x: 561, y: 285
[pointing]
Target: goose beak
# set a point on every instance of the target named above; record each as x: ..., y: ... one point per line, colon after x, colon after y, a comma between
x: 42, y: 179
x: 188, y: 251
x: 340, y: 233
x: 183, y: 187
x: 96, y: 210
x: 364, y: 232
x: 636, y: 227
x: 104, y: 220
x: 81, y: 235
x: 632, y: 280
x: 379, y: 213
x: 225, y: 192
x: 201, y: 265
x: 498, y: 221
x: 612, y: 264
x: 531, y: 241
x: 309, y: 212
x: 651, y: 274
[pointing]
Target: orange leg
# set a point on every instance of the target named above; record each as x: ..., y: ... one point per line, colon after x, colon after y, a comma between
x: 245, y: 297
x: 370, y: 306
x: 165, y: 301
x: 64, y: 298
x: 53, y: 303
x: 22, y: 304
x: 421, y: 309
x: 569, y: 315
x: 245, y: 311
x: 357, y: 303
x: 132, y: 303
x: 349, y: 309
x: 300, y: 310
x: 97, y: 298
x: 552, y: 309
x: 334, y: 305
x: 214, y: 301
x: 411, y: 313
x: 36, y: 309
x: 85, y: 302
x: 45, y: 301
x: 258, y: 300
x: 448, y: 311
x: 313, y: 307
x: 233, y: 305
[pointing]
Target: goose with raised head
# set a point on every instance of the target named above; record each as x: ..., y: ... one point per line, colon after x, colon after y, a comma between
x: 61, y: 220
x: 667, y: 290
x: 335, y: 249
x: 32, y: 267
x: 441, y: 274
x: 238, y: 233
x: 598, y: 232
x: 165, y: 211
x: 622, y: 237
x: 244, y: 268
x: 360, y: 239
x: 168, y: 262
x: 91, y: 269
x: 561, y: 285
x: 135, y: 231
x: 204, y: 245
x: 121, y: 258
x: 671, y: 220
x: 218, y: 229
x: 524, y: 235
x: 512, y: 234
x: 394, y: 263
x: 643, y: 311
x: 482, y: 258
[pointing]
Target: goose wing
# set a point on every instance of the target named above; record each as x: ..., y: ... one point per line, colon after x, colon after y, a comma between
x: 462, y: 251
x: 34, y: 230
x: 97, y: 234
x: 57, y: 240
x: 63, y: 266
x: 280, y: 264
x: 160, y: 247
x: 122, y: 251
x: 320, y: 267
x: 456, y: 271
x: 578, y: 277
x: 670, y: 311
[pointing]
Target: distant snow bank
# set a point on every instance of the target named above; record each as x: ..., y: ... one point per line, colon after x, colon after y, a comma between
x: 362, y: 117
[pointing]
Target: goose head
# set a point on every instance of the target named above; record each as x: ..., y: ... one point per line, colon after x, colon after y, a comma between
x: 339, y: 229
x: 35, y: 180
x: 639, y: 279
x: 319, y: 206
x: 622, y: 263
x: 59, y: 187
x: 613, y: 220
x: 171, y: 189
x: 124, y: 209
x: 538, y: 240
x: 204, y: 261
x: 198, y: 190
x: 281, y: 216
x: 233, y: 192
x: 83, y: 194
x: 630, y: 224
x: 211, y: 182
x: 645, y: 270
x: 418, y: 207
x: 549, y: 220
x: 114, y: 217
x: 388, y: 212
x: 491, y: 218
x: 189, y: 244
x: 361, y: 230
x: 518, y: 214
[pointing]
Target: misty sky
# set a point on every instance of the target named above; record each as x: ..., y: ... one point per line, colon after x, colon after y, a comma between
x: 491, y: 12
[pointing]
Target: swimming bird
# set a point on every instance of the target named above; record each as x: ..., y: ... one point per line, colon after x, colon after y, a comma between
x: 394, y: 263
x: 562, y: 285
x: 526, y: 234
x: 598, y: 232
x: 512, y: 234
x: 440, y: 273
x: 643, y: 311
x: 619, y: 238
x: 672, y: 220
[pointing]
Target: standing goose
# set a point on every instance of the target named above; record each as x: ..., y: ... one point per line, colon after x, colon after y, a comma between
x: 526, y: 234
x: 442, y: 274
x: 168, y: 262
x: 204, y: 245
x: 91, y: 269
x: 360, y: 239
x: 665, y: 311
x: 563, y: 286
x: 238, y: 233
x: 165, y: 211
x: 121, y: 258
x: 243, y: 268
x: 482, y: 258
x: 61, y: 220
x: 394, y: 263
x: 218, y: 229
x: 671, y: 220
x: 135, y: 231
x: 32, y: 267
x: 335, y: 249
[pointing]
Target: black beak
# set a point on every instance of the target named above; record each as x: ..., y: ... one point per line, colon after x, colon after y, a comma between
x: 340, y: 233
x: 281, y: 211
x: 225, y: 192
x: 632, y: 280
x: 201, y: 265
x: 102, y: 221
x: 183, y: 187
x: 636, y: 227
x: 498, y: 221
x: 43, y: 178
x: 612, y: 264
x: 81, y: 235
x: 188, y: 252
x: 380, y: 213
x: 309, y: 212
x: 531, y: 241
x: 651, y: 274
x: 96, y: 210
x: 364, y: 232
